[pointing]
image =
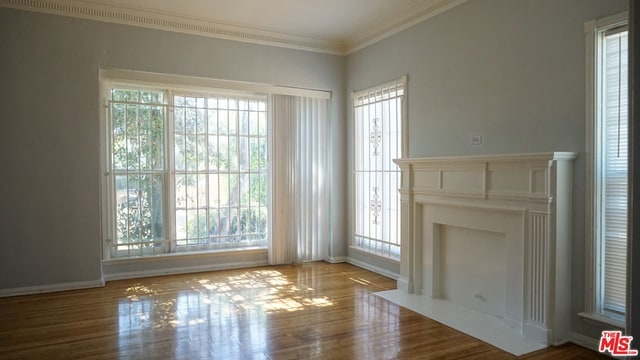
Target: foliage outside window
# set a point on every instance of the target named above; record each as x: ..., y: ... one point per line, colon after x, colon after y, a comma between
x: 186, y: 172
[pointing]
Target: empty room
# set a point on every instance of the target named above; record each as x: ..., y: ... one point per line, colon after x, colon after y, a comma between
x: 353, y: 179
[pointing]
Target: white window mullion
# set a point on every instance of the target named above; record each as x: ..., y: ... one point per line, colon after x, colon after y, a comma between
x: 109, y: 186
x: 218, y: 239
x: 208, y: 169
x: 170, y: 176
x: 228, y: 237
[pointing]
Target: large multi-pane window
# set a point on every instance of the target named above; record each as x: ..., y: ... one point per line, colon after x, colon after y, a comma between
x: 186, y: 172
x: 378, y: 116
x: 608, y: 148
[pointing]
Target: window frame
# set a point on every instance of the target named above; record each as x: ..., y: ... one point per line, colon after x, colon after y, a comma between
x: 183, y: 86
x: 109, y: 197
x: 593, y: 306
x: 177, y: 248
x: 402, y: 83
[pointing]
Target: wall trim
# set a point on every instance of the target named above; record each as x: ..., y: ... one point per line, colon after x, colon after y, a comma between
x: 401, y: 21
x: 584, y: 341
x: 158, y: 20
x: 373, y: 268
x: 181, y: 82
x: 175, y: 23
x: 336, y: 259
x: 209, y: 254
x: 182, y: 263
x: 40, y: 289
x: 603, y: 320
x: 183, y: 270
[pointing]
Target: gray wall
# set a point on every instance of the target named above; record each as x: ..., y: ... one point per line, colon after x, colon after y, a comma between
x: 513, y: 70
x: 49, y: 135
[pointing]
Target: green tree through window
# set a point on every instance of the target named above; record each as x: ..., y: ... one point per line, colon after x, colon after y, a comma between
x: 197, y: 160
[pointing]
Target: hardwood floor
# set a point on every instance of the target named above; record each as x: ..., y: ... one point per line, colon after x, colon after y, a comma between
x: 317, y: 310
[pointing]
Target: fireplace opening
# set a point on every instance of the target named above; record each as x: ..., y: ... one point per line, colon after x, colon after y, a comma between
x: 473, y: 268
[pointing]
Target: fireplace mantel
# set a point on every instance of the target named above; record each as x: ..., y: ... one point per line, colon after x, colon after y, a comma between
x: 515, y: 211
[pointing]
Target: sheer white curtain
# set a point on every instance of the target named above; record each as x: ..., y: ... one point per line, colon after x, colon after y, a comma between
x: 301, y: 203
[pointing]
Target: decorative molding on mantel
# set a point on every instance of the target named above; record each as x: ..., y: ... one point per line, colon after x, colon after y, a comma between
x: 516, y: 208
x: 475, y: 176
x: 182, y: 24
x: 557, y: 155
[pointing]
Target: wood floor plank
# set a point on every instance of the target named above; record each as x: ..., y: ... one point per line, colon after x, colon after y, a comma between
x: 316, y: 311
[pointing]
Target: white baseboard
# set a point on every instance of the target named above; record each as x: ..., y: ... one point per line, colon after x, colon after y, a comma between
x: 336, y: 259
x: 30, y: 290
x: 373, y: 268
x: 584, y: 341
x: 181, y: 270
x: 537, y: 332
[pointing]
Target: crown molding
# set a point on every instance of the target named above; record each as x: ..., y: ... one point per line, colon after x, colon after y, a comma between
x: 175, y: 23
x: 401, y: 21
x: 182, y: 24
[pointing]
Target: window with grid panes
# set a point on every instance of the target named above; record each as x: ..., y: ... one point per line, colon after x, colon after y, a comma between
x: 186, y: 172
x: 379, y: 122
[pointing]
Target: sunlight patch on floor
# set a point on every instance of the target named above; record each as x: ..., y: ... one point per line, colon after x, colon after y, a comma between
x: 360, y: 281
x: 265, y: 291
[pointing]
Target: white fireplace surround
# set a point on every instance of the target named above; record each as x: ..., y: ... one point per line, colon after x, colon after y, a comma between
x: 492, y: 233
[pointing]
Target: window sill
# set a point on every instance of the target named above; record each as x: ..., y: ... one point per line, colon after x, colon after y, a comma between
x: 616, y: 322
x: 374, y: 254
x: 183, y: 254
x: 181, y: 263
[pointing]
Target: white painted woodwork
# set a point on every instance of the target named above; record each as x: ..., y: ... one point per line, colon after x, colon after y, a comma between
x: 336, y: 27
x: 493, y: 234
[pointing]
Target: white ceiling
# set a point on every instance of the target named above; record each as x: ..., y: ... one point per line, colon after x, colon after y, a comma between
x: 333, y: 20
x: 334, y: 26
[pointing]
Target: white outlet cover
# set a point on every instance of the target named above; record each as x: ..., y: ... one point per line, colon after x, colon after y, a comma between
x: 475, y: 139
